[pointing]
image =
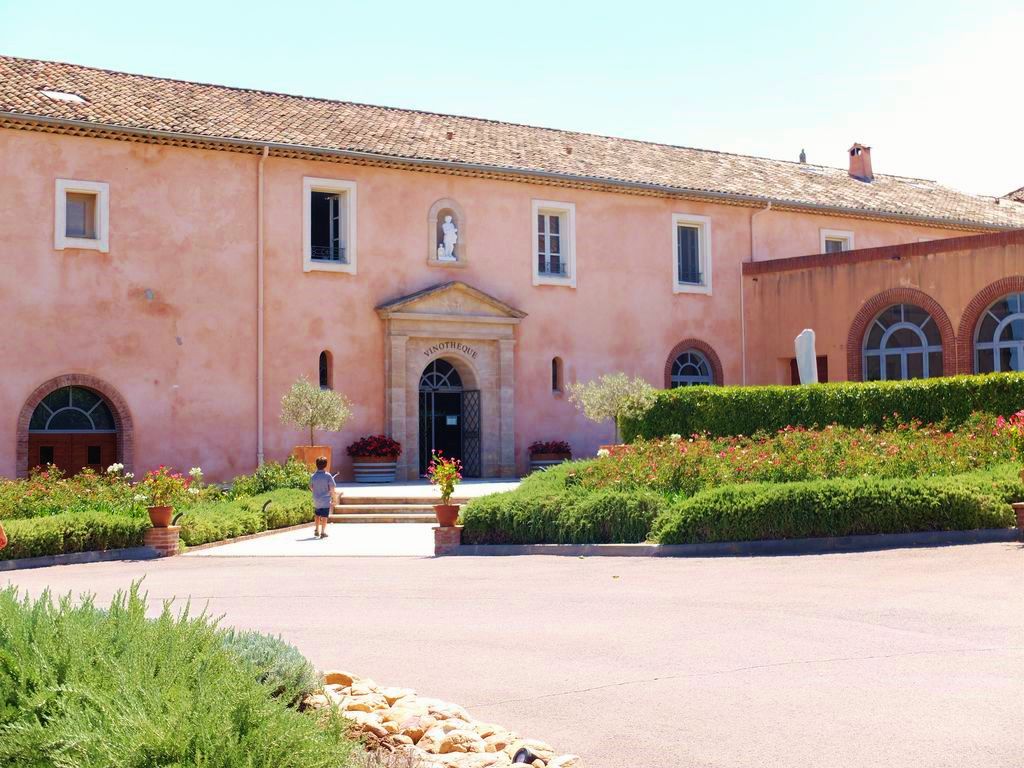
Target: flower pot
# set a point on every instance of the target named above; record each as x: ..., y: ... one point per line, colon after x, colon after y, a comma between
x: 308, y: 454
x: 447, y: 514
x: 374, y: 469
x: 544, y: 460
x: 160, y: 516
x: 1018, y: 510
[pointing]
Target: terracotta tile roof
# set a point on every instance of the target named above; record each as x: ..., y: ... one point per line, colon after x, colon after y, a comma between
x: 1017, y: 194
x: 143, y: 104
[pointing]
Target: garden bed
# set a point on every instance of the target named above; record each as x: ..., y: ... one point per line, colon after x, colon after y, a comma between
x: 796, y: 483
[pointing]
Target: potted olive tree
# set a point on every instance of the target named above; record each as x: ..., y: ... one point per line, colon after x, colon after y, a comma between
x: 612, y: 397
x: 306, y: 406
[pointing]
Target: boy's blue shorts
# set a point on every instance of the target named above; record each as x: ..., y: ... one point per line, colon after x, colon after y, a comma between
x: 325, y: 512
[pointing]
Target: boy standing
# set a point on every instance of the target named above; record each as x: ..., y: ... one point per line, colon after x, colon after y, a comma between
x: 322, y: 484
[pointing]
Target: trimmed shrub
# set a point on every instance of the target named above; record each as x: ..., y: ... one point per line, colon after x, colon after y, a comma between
x: 754, y: 511
x: 719, y: 411
x: 278, y: 665
x: 569, y: 517
x: 71, y: 532
x: 246, y: 515
x: 85, y: 686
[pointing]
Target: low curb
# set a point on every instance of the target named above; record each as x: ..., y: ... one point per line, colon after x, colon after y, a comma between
x: 246, y: 537
x: 771, y: 547
x: 75, y: 558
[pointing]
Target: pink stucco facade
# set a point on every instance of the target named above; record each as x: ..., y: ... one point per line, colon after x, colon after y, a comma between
x: 168, y: 316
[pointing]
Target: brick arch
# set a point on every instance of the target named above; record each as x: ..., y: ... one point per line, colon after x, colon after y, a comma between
x: 874, y: 306
x: 118, y: 407
x: 705, y: 349
x: 982, y: 300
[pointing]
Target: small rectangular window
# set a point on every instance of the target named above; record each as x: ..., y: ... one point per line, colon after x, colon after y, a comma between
x: 94, y: 454
x: 80, y: 216
x: 329, y: 224
x: 554, y: 258
x: 836, y: 240
x: 45, y: 455
x: 688, y: 251
x: 691, y: 257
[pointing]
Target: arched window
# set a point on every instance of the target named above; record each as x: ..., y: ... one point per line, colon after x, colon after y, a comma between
x: 440, y: 376
x: 326, y: 370
x: 689, y: 369
x: 902, y: 342
x: 999, y: 336
x: 72, y: 409
x: 556, y: 374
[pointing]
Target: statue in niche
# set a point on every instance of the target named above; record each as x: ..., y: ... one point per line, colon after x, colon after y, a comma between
x: 450, y: 235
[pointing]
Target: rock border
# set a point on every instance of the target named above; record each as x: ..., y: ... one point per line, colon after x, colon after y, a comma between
x: 429, y: 733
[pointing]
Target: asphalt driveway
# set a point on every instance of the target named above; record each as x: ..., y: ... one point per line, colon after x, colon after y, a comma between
x: 903, y: 658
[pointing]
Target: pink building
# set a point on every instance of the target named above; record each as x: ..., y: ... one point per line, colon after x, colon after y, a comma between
x: 175, y: 255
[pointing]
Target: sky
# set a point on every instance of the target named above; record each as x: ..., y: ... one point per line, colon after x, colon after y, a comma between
x: 933, y: 87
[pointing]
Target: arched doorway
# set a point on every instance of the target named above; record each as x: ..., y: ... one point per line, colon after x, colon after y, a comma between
x: 72, y: 428
x: 449, y: 418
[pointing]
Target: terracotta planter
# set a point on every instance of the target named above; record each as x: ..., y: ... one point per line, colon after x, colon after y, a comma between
x: 544, y: 460
x: 374, y: 469
x: 161, y: 516
x: 447, y: 514
x: 1018, y: 510
x: 308, y: 454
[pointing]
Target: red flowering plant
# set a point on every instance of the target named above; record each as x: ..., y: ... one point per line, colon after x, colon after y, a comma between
x: 550, y: 446
x: 376, y: 445
x: 1013, y: 428
x: 445, y: 474
x: 162, y: 487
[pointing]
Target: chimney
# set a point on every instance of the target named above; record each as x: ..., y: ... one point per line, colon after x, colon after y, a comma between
x: 860, y: 162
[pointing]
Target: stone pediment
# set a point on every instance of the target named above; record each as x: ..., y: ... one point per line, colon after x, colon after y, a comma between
x: 453, y: 299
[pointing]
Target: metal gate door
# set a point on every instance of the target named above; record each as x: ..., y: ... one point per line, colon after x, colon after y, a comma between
x: 471, y: 433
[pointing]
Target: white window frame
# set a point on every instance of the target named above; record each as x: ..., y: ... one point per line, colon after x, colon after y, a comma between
x: 568, y: 236
x: 101, y: 190
x: 837, y: 234
x: 703, y: 226
x: 311, y: 184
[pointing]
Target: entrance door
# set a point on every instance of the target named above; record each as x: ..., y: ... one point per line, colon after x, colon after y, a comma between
x: 440, y: 412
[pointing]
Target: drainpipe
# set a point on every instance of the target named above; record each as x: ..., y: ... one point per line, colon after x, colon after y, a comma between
x: 259, y: 307
x: 743, y: 314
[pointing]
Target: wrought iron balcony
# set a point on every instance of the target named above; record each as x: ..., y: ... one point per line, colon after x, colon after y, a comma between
x: 332, y: 253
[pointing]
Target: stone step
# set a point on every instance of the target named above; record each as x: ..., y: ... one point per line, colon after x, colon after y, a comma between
x: 384, y: 517
x: 383, y: 507
x: 363, y: 500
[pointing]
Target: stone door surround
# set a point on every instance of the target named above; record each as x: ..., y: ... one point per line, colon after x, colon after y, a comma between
x: 473, y: 331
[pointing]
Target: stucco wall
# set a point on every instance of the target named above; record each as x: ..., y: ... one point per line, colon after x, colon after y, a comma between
x: 829, y: 298
x: 183, y: 226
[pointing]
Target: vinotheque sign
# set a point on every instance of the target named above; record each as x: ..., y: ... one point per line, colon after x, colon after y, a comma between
x: 450, y: 346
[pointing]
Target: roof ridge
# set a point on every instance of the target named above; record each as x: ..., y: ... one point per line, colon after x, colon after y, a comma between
x: 491, y: 121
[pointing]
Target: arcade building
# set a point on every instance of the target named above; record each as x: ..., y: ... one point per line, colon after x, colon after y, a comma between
x: 174, y: 255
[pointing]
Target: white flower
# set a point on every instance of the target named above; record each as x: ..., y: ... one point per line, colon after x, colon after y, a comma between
x: 603, y: 453
x: 129, y: 475
x: 193, y: 490
x: 140, y: 497
x: 675, y: 438
x: 195, y: 472
x: 114, y: 469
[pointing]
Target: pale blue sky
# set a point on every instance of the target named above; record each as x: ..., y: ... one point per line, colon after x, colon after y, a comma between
x: 933, y: 87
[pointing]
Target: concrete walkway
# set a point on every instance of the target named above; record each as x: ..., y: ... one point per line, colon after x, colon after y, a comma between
x: 351, y: 540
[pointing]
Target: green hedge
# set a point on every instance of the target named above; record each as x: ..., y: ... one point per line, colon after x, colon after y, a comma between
x: 71, y: 532
x: 720, y: 411
x: 545, y: 517
x: 816, y: 508
x: 242, y: 516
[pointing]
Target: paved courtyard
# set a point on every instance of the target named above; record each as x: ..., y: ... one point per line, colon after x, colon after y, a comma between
x: 901, y: 658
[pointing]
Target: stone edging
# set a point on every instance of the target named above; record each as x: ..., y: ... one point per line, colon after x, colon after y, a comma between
x: 428, y: 733
x: 74, y: 558
x: 865, y: 543
x: 246, y: 537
